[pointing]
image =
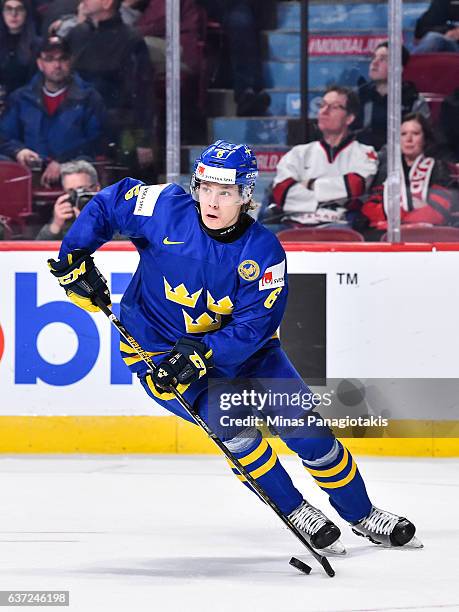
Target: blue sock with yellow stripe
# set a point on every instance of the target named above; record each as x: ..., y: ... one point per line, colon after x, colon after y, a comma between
x: 263, y: 464
x: 337, y: 474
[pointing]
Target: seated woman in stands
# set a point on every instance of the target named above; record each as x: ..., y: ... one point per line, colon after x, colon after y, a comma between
x: 18, y: 45
x: 426, y: 192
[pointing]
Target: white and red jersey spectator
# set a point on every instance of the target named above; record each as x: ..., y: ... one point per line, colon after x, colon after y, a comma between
x: 426, y: 196
x: 316, y: 182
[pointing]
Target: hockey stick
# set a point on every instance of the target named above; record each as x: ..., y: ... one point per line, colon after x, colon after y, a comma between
x: 203, y: 425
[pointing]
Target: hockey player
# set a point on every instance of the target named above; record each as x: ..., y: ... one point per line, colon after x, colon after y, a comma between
x: 208, y: 297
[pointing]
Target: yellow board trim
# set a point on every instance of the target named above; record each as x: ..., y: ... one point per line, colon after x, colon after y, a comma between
x: 169, y: 434
x: 331, y: 471
x: 339, y: 483
x: 88, y: 434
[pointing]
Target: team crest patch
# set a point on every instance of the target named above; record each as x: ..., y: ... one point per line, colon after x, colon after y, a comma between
x: 249, y: 270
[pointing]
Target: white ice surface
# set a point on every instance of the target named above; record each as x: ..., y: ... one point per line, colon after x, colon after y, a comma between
x: 128, y: 534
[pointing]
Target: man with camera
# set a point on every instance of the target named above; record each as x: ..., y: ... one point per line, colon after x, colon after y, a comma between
x: 80, y: 183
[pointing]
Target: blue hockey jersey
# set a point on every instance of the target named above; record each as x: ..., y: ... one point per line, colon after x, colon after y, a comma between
x: 229, y: 295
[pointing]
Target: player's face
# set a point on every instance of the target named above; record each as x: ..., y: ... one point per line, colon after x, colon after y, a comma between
x: 379, y: 64
x: 412, y: 139
x: 220, y: 204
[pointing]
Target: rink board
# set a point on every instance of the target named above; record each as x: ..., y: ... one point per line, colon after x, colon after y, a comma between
x: 390, y: 312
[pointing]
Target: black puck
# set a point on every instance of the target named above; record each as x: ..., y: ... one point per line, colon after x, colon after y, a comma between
x: 302, y: 567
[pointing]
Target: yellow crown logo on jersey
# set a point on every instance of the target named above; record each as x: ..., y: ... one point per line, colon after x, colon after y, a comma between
x: 223, y: 306
x: 204, y: 323
x: 180, y: 295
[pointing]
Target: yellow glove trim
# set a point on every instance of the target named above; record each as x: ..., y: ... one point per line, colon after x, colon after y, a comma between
x: 164, y: 395
x: 82, y: 302
x: 73, y: 275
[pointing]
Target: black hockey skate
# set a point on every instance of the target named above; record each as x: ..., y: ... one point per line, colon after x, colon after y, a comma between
x: 317, y: 529
x: 387, y: 529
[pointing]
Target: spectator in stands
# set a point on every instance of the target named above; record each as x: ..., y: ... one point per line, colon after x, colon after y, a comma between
x: 152, y: 25
x: 61, y: 16
x: 319, y: 183
x: 114, y: 58
x: 437, y: 30
x: 18, y: 45
x: 80, y: 181
x: 372, y: 120
x: 241, y: 20
x: 426, y: 195
x: 56, y: 117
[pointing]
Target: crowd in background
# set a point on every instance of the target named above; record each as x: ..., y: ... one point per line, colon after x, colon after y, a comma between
x: 82, y: 89
x: 339, y: 180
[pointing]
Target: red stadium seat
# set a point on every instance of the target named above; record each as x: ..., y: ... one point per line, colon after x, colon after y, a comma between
x: 16, y: 193
x: 433, y: 72
x: 314, y: 234
x: 422, y: 233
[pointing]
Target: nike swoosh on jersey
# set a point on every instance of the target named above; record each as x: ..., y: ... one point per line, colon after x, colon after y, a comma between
x: 167, y: 241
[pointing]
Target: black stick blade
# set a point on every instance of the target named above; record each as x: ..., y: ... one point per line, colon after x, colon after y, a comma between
x: 327, y: 567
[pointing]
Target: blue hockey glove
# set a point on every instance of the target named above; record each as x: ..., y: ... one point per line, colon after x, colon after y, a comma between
x: 188, y: 362
x: 80, y: 278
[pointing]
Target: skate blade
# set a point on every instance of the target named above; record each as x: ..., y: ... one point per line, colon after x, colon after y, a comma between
x: 414, y: 543
x: 336, y: 548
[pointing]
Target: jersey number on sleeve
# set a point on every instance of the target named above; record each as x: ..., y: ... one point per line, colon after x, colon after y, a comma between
x: 133, y: 191
x: 272, y: 297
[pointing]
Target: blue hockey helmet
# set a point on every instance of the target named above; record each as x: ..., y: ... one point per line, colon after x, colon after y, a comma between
x: 227, y: 163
